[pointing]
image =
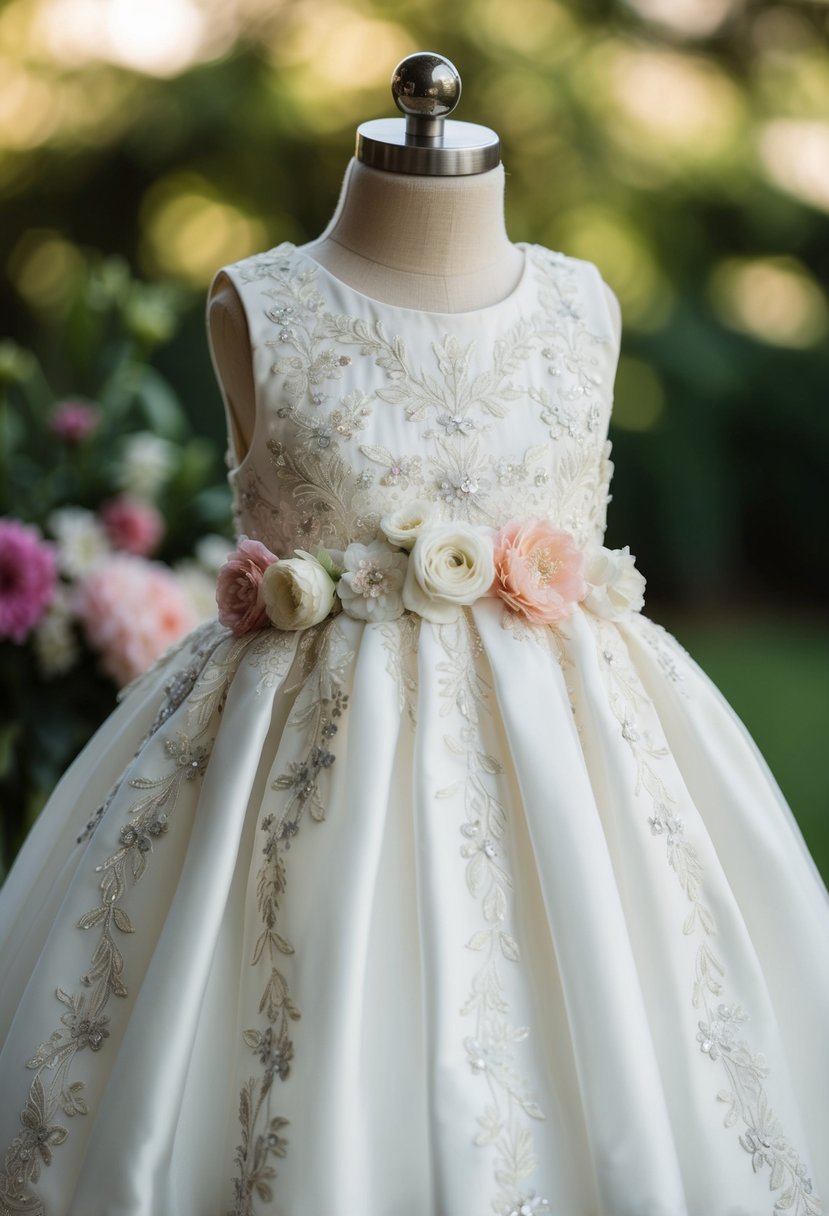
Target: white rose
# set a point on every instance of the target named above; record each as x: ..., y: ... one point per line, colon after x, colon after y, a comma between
x: 298, y: 592
x: 371, y: 584
x: 616, y: 586
x: 451, y: 564
x: 402, y: 525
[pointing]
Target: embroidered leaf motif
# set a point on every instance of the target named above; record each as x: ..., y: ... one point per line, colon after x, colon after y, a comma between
x: 320, y: 705
x: 84, y: 1027
x: 748, y: 1101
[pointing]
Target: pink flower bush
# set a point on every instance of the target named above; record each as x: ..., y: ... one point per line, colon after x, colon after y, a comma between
x: 239, y: 587
x: 28, y: 577
x: 131, y: 611
x: 132, y: 524
x: 539, y: 570
x: 73, y: 421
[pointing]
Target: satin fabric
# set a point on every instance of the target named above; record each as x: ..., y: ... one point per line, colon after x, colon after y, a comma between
x: 535, y: 864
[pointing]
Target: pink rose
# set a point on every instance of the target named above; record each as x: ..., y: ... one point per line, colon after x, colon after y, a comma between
x: 539, y: 571
x: 132, y: 525
x: 73, y: 421
x: 28, y: 577
x: 239, y: 587
x: 132, y: 610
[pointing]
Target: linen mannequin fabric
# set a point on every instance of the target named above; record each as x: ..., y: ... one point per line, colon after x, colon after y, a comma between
x: 417, y: 919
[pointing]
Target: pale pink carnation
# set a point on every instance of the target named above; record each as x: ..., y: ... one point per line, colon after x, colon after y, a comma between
x: 132, y: 525
x: 239, y: 586
x: 132, y: 610
x: 539, y: 571
x: 28, y: 577
x: 73, y: 421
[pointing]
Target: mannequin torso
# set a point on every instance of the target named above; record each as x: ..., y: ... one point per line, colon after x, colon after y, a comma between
x: 438, y: 244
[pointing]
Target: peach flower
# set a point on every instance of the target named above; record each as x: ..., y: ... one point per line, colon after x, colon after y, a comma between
x: 132, y: 610
x: 239, y: 587
x: 539, y: 570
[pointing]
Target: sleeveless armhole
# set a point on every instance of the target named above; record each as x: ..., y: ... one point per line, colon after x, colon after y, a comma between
x: 605, y: 290
x: 233, y: 437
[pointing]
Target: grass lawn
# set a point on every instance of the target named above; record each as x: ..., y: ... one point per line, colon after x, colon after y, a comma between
x: 774, y: 670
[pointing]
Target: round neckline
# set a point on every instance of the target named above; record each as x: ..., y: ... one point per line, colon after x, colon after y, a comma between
x: 468, y: 314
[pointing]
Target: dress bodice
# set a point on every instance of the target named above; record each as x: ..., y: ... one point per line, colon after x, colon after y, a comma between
x: 491, y: 415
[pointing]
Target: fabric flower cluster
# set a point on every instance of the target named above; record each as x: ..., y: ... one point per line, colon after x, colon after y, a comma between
x: 432, y: 567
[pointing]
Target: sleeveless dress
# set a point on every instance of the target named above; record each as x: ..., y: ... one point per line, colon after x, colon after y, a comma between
x: 479, y: 917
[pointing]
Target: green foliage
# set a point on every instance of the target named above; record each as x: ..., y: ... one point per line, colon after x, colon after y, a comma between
x: 53, y: 695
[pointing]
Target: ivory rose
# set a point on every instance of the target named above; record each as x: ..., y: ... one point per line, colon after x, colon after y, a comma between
x: 616, y: 586
x: 450, y: 565
x: 539, y: 570
x: 402, y: 525
x: 298, y: 591
x: 239, y: 586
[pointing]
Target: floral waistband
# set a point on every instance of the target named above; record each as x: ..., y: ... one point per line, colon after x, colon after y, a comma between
x: 430, y: 566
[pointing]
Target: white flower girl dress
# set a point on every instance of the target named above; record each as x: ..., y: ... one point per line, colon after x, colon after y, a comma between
x: 432, y: 907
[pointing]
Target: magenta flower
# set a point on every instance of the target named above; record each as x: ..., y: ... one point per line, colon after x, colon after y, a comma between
x: 132, y: 525
x: 132, y: 610
x: 239, y: 586
x: 73, y: 421
x: 539, y: 571
x: 28, y: 576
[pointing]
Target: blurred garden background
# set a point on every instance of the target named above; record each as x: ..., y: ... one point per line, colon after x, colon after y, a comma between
x: 682, y: 145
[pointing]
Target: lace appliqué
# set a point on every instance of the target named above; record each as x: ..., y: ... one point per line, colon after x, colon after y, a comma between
x: 666, y: 648
x: 719, y: 1034
x: 203, y: 643
x: 324, y: 659
x: 317, y: 490
x: 54, y: 1091
x: 400, y: 640
x: 510, y: 1109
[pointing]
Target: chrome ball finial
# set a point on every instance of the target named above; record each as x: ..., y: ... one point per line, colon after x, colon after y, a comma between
x: 426, y: 86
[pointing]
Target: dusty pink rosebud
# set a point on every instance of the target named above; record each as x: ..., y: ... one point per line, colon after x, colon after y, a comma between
x: 539, y: 570
x: 73, y: 421
x: 132, y: 525
x: 239, y: 586
x: 28, y: 577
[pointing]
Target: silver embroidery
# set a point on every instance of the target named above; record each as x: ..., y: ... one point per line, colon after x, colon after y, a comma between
x: 318, y: 708
x: 509, y: 1108
x: 319, y: 490
x: 719, y: 1035
x: 85, y: 1026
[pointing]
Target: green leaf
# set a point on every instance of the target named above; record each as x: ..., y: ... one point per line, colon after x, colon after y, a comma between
x: 160, y: 406
x: 9, y: 735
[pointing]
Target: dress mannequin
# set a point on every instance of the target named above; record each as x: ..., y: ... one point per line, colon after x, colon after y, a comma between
x: 430, y: 241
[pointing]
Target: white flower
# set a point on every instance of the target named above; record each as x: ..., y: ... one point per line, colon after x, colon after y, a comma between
x: 82, y: 540
x: 451, y: 564
x: 371, y: 584
x: 146, y: 463
x: 199, y: 587
x: 616, y: 586
x: 298, y: 591
x: 55, y: 641
x: 402, y: 525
